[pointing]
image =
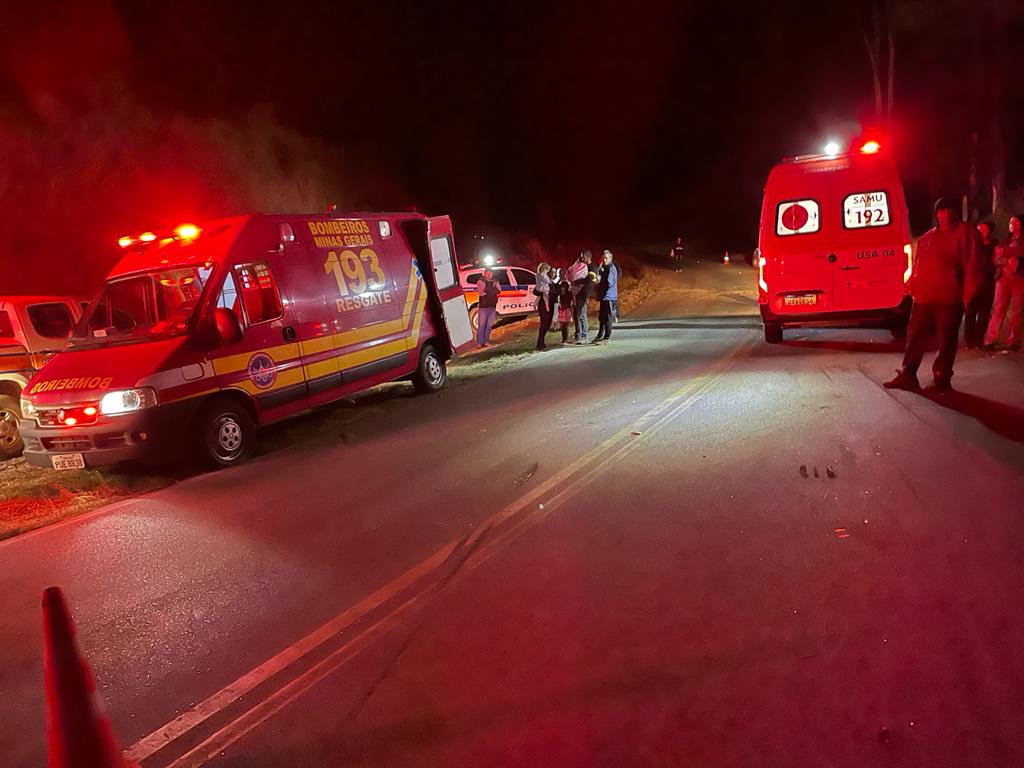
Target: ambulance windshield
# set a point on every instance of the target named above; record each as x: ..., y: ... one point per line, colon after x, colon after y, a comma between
x: 142, y: 307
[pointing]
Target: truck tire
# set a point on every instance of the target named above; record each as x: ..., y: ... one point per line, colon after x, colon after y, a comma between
x: 226, y: 433
x: 10, y: 440
x: 474, y: 318
x: 772, y: 333
x: 431, y: 374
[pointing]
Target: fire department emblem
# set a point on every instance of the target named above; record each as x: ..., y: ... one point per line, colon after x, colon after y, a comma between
x: 261, y: 370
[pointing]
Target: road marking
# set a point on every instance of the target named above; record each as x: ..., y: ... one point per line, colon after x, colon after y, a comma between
x: 261, y: 711
x: 621, y: 443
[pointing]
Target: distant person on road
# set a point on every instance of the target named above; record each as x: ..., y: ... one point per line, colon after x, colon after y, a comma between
x: 608, y: 293
x: 945, y: 276
x: 545, y: 303
x: 979, y: 310
x: 565, y: 319
x: 1008, y: 307
x: 675, y: 255
x: 488, y: 291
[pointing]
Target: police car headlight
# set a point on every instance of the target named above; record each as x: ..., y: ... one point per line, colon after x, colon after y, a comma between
x: 127, y: 400
x: 27, y: 409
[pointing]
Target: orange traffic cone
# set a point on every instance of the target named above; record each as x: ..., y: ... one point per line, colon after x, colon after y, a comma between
x: 78, y: 733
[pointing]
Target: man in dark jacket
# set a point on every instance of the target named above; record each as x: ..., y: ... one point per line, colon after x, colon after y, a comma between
x: 946, y: 275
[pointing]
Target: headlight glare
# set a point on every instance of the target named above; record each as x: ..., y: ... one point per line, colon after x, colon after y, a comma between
x: 127, y: 400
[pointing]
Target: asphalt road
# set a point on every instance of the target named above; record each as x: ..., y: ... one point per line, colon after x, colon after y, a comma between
x: 685, y: 548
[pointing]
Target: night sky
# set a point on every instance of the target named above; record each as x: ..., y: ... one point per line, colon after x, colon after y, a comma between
x: 570, y: 120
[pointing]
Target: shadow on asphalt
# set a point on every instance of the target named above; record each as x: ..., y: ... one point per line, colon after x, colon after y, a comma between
x: 845, y: 345
x: 1003, y: 419
x: 661, y: 326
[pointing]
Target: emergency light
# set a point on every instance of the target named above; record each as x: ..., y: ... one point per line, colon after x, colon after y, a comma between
x: 870, y: 147
x: 183, y: 232
x: 832, y: 148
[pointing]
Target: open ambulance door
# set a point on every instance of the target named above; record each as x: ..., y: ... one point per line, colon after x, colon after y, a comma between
x: 445, y: 274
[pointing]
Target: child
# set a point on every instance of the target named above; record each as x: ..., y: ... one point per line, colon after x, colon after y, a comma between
x: 565, y: 309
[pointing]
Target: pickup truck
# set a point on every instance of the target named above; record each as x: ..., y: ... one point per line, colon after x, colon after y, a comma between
x: 32, y: 330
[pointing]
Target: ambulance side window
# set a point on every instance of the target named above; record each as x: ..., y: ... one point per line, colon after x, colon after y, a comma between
x: 444, y: 264
x: 257, y: 287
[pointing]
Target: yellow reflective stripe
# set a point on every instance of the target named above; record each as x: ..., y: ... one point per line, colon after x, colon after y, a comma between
x: 356, y: 335
x: 239, y: 362
x: 316, y: 346
x: 372, y: 354
x: 410, y: 295
x: 323, y: 368
x: 414, y: 337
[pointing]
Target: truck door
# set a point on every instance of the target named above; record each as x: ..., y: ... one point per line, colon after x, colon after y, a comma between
x: 446, y: 283
x: 800, y: 247
x: 867, y: 238
x: 266, y: 363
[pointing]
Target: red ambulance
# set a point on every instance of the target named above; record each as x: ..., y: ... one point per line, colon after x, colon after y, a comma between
x: 200, y: 335
x: 834, y: 245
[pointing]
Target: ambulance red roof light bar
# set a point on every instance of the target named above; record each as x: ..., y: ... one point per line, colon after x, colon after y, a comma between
x: 185, y: 232
x: 870, y: 147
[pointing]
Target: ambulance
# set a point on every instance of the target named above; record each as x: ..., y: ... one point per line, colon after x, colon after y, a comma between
x: 202, y: 334
x: 834, y: 245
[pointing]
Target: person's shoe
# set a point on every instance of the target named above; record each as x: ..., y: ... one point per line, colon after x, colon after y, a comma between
x: 943, y: 384
x: 905, y: 381
x: 598, y: 340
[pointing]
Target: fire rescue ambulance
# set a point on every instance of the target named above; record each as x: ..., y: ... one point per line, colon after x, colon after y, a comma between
x: 834, y: 245
x: 199, y: 335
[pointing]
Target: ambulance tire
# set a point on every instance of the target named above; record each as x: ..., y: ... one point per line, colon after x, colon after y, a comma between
x: 10, y: 441
x: 474, y: 318
x: 431, y: 374
x: 226, y: 433
x: 772, y: 333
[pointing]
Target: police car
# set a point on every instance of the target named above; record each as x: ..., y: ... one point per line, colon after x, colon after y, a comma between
x: 516, y: 298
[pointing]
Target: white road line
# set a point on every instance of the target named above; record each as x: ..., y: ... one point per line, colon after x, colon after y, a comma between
x: 263, y: 709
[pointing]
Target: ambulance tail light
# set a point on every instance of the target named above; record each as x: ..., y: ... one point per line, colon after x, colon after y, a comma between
x: 908, y: 249
x: 761, y: 283
x: 127, y: 401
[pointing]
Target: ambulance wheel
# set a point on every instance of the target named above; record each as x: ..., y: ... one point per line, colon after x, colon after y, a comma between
x: 772, y: 333
x: 431, y: 374
x: 226, y: 432
x: 474, y: 319
x: 10, y: 440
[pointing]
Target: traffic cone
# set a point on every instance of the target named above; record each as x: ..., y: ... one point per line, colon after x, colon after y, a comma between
x: 78, y: 732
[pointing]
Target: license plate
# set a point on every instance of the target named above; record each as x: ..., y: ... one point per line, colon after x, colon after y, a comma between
x: 791, y: 301
x: 68, y: 461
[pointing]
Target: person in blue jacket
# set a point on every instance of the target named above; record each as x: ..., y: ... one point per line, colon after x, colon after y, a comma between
x: 608, y: 293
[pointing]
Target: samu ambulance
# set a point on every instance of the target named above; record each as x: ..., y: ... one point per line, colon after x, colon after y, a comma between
x: 834, y: 244
x: 201, y: 334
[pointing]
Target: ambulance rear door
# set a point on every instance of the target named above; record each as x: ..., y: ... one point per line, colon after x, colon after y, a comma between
x: 798, y: 234
x: 869, y: 236
x: 446, y: 282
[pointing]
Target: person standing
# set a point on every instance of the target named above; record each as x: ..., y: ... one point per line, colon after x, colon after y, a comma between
x: 980, y: 309
x: 488, y: 292
x: 564, y: 309
x: 1009, y: 294
x: 676, y: 254
x: 545, y: 304
x: 608, y: 293
x: 945, y: 275
x: 585, y: 288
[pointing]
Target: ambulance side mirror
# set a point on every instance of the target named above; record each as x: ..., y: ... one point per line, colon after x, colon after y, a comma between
x: 227, y: 326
